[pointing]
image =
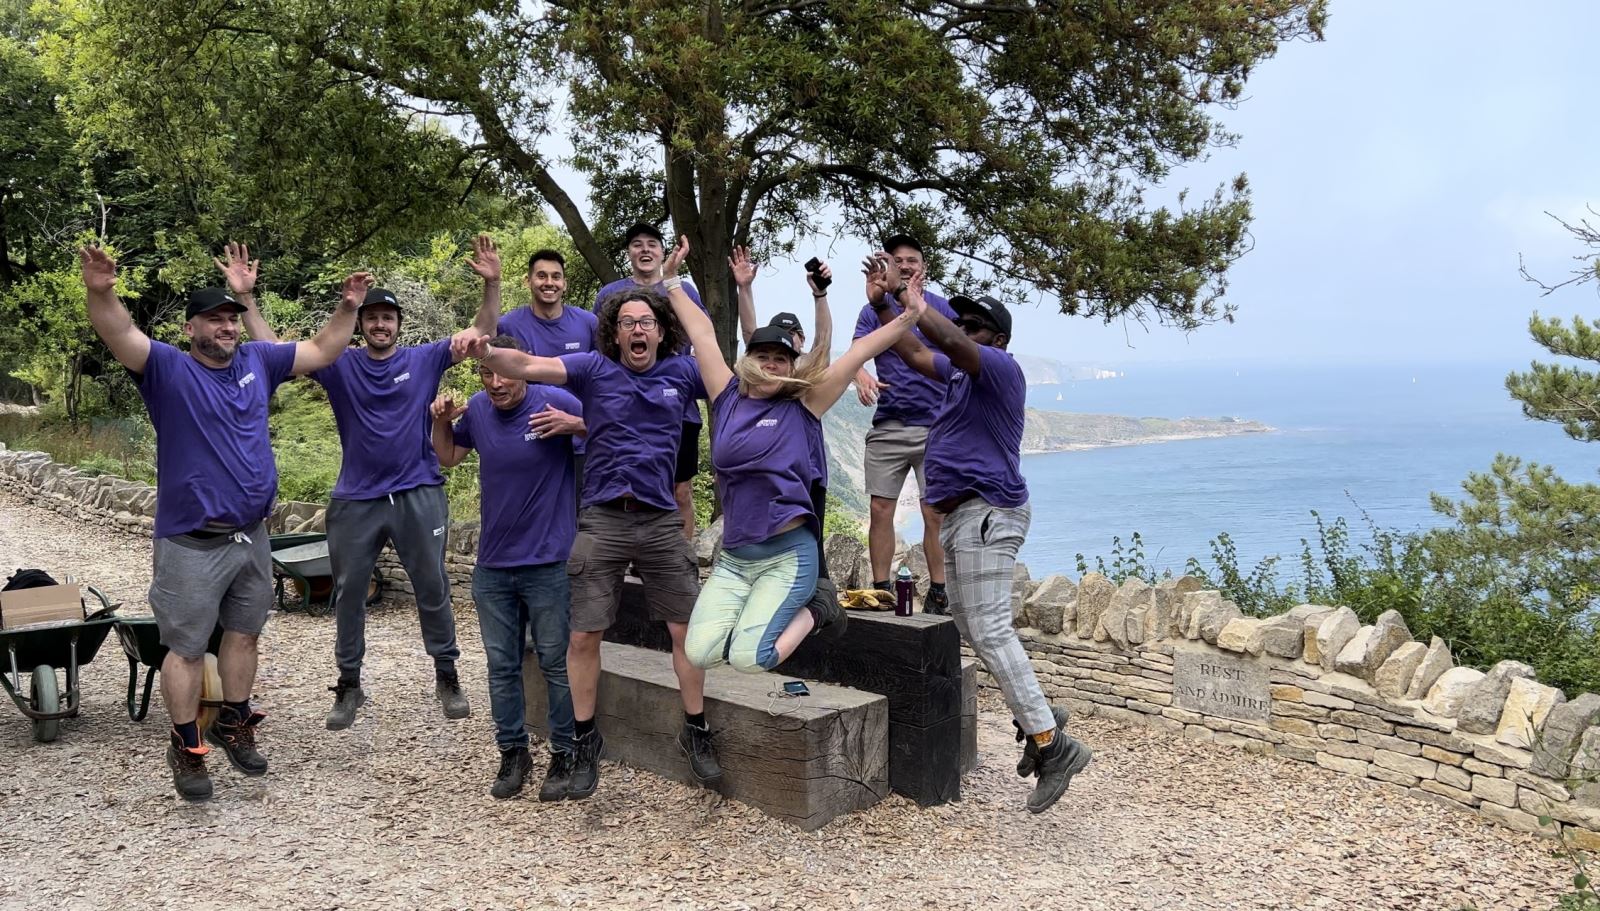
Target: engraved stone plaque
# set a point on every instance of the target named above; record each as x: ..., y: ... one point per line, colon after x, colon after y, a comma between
x: 1221, y: 684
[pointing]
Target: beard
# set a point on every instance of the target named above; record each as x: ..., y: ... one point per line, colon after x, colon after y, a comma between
x: 213, y: 349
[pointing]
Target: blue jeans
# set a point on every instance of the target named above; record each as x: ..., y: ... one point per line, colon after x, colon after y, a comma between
x: 511, y: 603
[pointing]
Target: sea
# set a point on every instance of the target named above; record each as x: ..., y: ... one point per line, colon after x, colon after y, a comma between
x: 1364, y: 443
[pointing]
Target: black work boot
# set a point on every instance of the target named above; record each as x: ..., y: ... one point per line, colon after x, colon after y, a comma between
x: 558, y: 777
x: 1055, y: 765
x: 347, y: 697
x: 448, y: 689
x: 1030, y: 750
x: 237, y: 738
x: 188, y: 767
x: 695, y: 742
x: 585, y: 775
x: 515, y: 764
x: 937, y: 602
x: 828, y: 617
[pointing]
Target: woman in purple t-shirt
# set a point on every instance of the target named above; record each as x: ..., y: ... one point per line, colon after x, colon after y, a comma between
x: 749, y: 613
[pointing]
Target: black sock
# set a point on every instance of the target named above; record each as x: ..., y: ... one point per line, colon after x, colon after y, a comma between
x: 935, y: 587
x: 582, y: 727
x: 882, y: 586
x: 190, y: 732
x: 242, y: 709
x: 698, y: 719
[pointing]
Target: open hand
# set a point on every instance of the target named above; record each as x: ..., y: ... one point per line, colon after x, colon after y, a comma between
x: 911, y: 299
x: 552, y: 421
x: 238, y: 268
x: 485, y: 258
x: 99, y: 270
x: 354, y: 292
x: 883, y: 277
x: 744, y: 269
x: 867, y: 388
x: 444, y: 408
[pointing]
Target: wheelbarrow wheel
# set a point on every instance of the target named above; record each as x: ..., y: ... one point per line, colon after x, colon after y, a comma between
x: 46, y: 698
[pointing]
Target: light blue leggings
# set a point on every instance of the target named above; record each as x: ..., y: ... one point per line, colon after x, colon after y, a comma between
x: 752, y: 595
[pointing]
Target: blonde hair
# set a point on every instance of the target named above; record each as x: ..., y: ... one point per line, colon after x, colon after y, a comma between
x: 807, y: 372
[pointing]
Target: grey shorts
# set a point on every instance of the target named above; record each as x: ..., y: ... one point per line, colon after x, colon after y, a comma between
x: 893, y: 449
x: 198, y: 582
x: 608, y: 540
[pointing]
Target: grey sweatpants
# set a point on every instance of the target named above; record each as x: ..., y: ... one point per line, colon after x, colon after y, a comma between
x: 980, y: 551
x: 416, y: 522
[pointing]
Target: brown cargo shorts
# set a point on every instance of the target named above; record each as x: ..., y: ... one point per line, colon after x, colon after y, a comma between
x: 609, y: 539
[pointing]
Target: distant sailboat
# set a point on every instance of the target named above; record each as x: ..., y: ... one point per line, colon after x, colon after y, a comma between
x: 1058, y: 396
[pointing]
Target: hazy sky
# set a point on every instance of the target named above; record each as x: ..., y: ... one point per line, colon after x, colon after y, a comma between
x: 1398, y: 169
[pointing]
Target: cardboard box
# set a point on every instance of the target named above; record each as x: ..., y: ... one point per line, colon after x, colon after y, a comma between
x: 49, y: 604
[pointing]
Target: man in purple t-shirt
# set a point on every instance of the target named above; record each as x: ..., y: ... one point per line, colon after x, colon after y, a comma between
x: 215, y: 484
x: 975, y: 481
x: 529, y: 519
x: 389, y: 490
x: 907, y: 402
x: 646, y: 251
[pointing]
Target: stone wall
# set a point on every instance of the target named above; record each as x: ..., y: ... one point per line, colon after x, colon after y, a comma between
x: 1313, y: 684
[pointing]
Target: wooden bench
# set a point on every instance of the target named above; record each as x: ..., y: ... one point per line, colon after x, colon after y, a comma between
x: 804, y: 760
x: 915, y: 662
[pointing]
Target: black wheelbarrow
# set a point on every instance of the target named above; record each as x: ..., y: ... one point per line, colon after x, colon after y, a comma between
x: 300, y: 562
x: 42, y: 650
x: 141, y: 642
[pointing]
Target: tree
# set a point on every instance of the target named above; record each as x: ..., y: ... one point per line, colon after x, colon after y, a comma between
x: 1019, y: 138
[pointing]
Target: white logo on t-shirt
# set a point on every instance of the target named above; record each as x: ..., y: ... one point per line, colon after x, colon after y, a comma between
x: 574, y: 346
x: 669, y: 393
x: 402, y: 377
x: 247, y: 379
x: 531, y: 435
x: 767, y: 422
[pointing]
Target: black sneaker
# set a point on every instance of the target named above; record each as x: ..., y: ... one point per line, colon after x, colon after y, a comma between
x: 448, y: 689
x: 188, y: 767
x: 937, y: 603
x: 1026, y: 766
x: 237, y: 738
x: 557, y: 778
x: 828, y: 618
x: 347, y: 697
x: 695, y: 742
x: 585, y: 772
x: 1057, y: 763
x: 515, y: 764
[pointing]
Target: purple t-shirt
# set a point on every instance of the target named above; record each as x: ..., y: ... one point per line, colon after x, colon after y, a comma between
x: 818, y: 447
x: 976, y: 442
x: 573, y: 332
x: 381, y: 410
x: 691, y: 408
x: 525, y: 483
x: 214, y: 459
x: 910, y: 397
x: 635, y: 422
x: 761, y: 450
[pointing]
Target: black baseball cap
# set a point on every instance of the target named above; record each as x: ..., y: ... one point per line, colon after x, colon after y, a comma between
x: 381, y: 296
x: 772, y: 335
x: 986, y: 307
x: 205, y: 300
x: 642, y: 229
x: 788, y: 322
x: 895, y: 241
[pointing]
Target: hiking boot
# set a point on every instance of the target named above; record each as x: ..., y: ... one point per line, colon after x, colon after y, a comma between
x: 515, y: 764
x: 448, y: 689
x: 585, y: 771
x: 237, y: 737
x: 188, y: 767
x: 828, y: 618
x: 347, y: 697
x: 1057, y: 763
x: 557, y: 778
x: 936, y: 603
x: 1026, y: 766
x: 695, y: 742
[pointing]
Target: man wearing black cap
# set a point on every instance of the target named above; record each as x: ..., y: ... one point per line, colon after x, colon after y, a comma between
x: 975, y: 482
x: 389, y: 490
x: 215, y: 484
x: 646, y: 249
x: 895, y: 445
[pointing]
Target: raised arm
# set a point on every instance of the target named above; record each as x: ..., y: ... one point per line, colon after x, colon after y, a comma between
x: 822, y: 396
x: 822, y: 331
x: 240, y: 272
x: 714, y: 371
x: 325, y: 347
x: 509, y: 362
x: 485, y: 261
x: 110, y: 318
x: 964, y: 353
x: 445, y: 410
x: 744, y: 279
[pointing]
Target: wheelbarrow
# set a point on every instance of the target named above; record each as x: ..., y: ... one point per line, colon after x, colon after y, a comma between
x: 300, y: 561
x: 141, y: 642
x: 44, y: 649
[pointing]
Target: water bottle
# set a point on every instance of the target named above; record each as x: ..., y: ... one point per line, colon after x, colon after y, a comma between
x: 903, y: 587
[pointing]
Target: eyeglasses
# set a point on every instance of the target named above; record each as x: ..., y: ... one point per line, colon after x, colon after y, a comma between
x: 972, y: 325
x: 627, y: 323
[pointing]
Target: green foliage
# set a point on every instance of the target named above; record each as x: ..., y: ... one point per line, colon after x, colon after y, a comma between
x: 1127, y: 562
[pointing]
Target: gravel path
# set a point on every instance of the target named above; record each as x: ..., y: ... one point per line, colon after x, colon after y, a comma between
x: 395, y: 812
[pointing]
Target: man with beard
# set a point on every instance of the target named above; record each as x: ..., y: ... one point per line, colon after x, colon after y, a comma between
x: 646, y: 249
x: 215, y: 483
x: 906, y: 403
x: 389, y: 490
x: 632, y: 390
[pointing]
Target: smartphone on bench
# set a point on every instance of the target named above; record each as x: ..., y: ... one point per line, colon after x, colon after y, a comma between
x: 795, y: 688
